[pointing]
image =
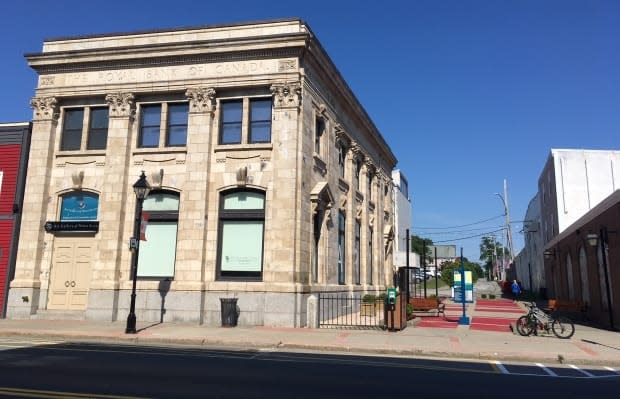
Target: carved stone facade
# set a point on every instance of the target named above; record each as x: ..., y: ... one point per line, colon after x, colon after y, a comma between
x: 214, y: 134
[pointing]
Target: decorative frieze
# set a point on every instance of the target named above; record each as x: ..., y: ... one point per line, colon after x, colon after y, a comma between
x: 121, y: 104
x: 357, y: 152
x: 201, y: 99
x: 45, y: 108
x: 286, y: 95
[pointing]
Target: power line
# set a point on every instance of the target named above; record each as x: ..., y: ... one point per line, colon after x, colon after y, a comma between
x: 466, y: 238
x: 463, y: 225
x: 425, y: 233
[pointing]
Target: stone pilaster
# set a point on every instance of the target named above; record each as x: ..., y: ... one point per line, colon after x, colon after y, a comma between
x: 117, y: 201
x: 33, y: 241
x: 283, y: 261
x: 190, y: 273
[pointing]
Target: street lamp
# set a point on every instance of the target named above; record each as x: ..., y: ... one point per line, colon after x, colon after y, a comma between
x: 141, y: 188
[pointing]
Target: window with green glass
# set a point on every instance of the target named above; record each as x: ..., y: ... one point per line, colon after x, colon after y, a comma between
x: 241, y: 235
x: 158, y: 253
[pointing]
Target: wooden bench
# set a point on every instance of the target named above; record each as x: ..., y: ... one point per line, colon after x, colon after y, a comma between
x: 557, y: 305
x: 427, y: 304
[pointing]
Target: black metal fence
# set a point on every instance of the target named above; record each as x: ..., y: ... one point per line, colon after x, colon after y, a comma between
x: 346, y: 310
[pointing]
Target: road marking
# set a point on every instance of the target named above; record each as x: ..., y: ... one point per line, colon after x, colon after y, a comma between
x: 547, y: 370
x: 498, y: 366
x: 34, y: 393
x: 582, y: 371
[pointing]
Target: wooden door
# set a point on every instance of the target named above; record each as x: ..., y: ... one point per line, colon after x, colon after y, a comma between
x: 70, y: 277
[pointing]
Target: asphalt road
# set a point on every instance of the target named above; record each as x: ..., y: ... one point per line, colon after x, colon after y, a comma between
x: 39, y: 369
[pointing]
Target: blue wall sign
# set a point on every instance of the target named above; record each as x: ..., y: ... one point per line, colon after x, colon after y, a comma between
x: 79, y: 206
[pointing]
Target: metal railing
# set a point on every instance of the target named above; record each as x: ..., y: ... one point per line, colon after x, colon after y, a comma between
x: 346, y: 310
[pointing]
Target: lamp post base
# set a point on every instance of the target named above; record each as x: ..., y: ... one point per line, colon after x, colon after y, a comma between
x: 464, y: 320
x: 131, y: 324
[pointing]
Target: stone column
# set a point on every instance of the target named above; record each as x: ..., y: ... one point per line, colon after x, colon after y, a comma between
x: 116, y: 212
x: 25, y: 287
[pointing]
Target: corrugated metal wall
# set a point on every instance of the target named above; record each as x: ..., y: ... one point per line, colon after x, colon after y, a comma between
x: 14, y: 144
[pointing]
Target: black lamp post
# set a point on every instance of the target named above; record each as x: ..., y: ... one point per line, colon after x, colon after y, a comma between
x: 141, y: 188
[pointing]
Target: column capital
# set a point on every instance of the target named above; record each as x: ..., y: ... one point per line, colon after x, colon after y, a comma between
x: 201, y: 99
x: 121, y: 104
x: 286, y: 95
x: 45, y: 108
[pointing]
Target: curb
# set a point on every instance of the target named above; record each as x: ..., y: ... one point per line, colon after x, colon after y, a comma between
x: 279, y: 345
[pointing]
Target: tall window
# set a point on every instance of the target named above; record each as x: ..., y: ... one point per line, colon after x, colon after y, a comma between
x: 171, y: 115
x: 369, y: 186
x: 341, y: 247
x: 150, y: 125
x: 319, y: 130
x: 369, y: 257
x: 72, y: 129
x: 177, y: 124
x: 232, y: 113
x: 98, y: 129
x: 570, y: 278
x: 316, y: 227
x: 93, y: 121
x: 260, y: 120
x: 241, y: 230
x: 246, y: 120
x: 158, y: 252
x: 357, y: 172
x: 342, y: 156
x: 583, y: 271
x: 357, y: 255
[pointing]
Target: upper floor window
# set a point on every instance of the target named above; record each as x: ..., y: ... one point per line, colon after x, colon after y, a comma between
x: 319, y: 130
x: 84, y: 128
x: 246, y: 120
x: 357, y: 172
x: 342, y: 156
x: 168, y: 120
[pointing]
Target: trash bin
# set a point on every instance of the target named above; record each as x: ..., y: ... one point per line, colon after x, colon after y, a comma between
x: 229, y: 312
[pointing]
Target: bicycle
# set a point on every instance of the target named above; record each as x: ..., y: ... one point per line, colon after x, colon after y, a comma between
x: 538, y: 320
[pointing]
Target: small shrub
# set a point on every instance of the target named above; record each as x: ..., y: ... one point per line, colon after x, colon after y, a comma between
x: 491, y: 296
x: 483, y: 296
x: 369, y: 298
x: 409, y: 309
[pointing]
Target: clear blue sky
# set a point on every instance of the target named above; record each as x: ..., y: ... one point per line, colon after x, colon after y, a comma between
x: 467, y: 93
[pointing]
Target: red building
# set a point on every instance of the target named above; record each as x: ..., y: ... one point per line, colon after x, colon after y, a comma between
x: 14, y: 143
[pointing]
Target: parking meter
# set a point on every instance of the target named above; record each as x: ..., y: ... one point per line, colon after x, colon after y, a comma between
x: 391, y: 298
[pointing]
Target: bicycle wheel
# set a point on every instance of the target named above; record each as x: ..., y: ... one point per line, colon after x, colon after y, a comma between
x: 563, y: 327
x: 524, y: 326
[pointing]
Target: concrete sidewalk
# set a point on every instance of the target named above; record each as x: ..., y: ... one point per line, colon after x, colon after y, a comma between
x: 589, y: 346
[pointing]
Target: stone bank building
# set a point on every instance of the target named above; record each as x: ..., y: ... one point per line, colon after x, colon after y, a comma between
x: 269, y: 181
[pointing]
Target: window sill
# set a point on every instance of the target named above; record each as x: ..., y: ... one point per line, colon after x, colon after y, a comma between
x: 243, y: 147
x: 160, y: 150
x: 343, y: 185
x: 80, y: 153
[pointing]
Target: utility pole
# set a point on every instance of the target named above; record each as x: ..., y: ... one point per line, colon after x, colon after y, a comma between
x: 509, y: 232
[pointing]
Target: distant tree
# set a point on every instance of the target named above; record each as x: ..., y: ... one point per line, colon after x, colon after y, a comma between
x: 448, y: 268
x: 417, y: 246
x: 490, y: 250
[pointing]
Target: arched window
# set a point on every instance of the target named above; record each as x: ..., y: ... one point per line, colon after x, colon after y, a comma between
x: 570, y: 278
x: 158, y: 252
x: 241, y: 231
x: 79, y: 205
x: 583, y: 271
